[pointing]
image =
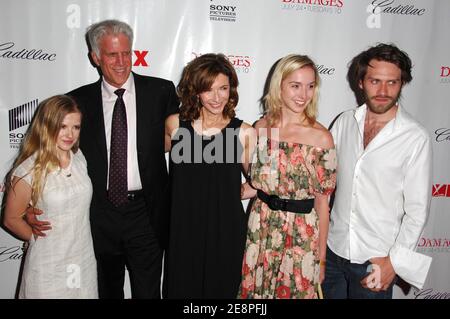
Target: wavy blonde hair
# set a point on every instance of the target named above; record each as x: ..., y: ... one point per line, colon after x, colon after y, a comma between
x: 41, y: 140
x: 272, y: 100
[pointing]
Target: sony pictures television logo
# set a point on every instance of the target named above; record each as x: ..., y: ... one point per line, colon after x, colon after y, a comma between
x: 224, y: 11
x: 313, y: 6
x: 20, y: 117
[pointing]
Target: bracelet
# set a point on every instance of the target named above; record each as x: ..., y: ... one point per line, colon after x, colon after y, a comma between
x: 323, y: 263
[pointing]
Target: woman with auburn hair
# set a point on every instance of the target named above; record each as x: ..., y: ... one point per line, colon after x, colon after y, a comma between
x: 209, y: 149
x: 50, y: 174
x: 292, y: 174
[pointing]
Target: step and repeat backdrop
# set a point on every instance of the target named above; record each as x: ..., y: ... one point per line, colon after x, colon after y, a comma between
x: 43, y: 52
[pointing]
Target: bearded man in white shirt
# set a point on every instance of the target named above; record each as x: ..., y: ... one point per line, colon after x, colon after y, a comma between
x: 383, y: 184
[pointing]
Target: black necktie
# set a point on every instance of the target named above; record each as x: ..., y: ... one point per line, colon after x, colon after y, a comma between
x: 118, y: 183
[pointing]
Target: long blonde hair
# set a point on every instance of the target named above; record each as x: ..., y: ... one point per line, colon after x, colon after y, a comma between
x: 41, y: 140
x: 272, y: 100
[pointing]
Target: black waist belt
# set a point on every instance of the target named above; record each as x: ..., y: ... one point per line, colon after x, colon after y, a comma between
x: 274, y: 202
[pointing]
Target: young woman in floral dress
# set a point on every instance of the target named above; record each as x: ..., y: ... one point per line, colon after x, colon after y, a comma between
x: 292, y: 175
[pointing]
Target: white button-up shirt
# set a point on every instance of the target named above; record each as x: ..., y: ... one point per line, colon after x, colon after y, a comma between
x: 383, y: 193
x: 129, y: 97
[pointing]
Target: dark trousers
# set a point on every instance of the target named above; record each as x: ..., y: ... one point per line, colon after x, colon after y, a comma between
x: 136, y: 248
x: 342, y: 280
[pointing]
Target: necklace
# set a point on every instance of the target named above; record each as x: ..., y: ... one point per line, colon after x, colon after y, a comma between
x: 68, y: 170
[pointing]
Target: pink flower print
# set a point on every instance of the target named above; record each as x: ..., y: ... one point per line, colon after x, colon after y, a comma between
x: 283, y: 162
x: 296, y: 156
x: 320, y: 173
x: 283, y: 292
x: 309, y: 230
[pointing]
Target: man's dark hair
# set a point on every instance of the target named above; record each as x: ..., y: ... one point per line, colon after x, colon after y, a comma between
x: 381, y: 52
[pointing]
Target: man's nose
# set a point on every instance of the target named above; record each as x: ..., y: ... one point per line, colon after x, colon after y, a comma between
x: 120, y: 59
x: 383, y: 89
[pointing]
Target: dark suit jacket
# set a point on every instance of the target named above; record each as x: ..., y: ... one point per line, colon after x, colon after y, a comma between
x: 155, y: 100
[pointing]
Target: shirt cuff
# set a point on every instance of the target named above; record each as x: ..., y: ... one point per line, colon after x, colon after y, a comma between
x: 411, y: 266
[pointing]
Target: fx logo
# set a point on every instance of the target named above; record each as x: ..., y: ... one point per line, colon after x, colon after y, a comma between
x: 441, y: 190
x: 140, y: 58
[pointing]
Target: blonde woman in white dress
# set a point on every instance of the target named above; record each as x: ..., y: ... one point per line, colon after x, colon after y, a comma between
x: 50, y: 174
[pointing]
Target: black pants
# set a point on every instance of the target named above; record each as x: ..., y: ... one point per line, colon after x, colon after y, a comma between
x: 136, y: 247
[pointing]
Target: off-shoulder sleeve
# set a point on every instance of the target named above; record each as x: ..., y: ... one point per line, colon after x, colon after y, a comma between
x: 325, y: 167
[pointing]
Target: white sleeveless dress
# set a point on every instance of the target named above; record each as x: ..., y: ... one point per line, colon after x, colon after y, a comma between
x: 62, y: 264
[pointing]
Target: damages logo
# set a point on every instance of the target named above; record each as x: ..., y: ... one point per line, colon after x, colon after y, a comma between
x: 445, y: 74
x: 313, y: 6
x: 241, y: 63
x: 433, y: 245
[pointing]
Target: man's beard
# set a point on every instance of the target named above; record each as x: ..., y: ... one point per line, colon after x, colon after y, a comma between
x: 383, y: 108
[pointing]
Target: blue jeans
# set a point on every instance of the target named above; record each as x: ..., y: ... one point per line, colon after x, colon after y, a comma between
x: 342, y: 280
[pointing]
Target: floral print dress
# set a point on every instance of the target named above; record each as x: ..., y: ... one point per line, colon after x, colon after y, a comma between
x: 281, y: 258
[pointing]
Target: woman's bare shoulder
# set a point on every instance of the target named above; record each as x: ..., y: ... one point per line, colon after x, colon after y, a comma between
x: 322, y: 136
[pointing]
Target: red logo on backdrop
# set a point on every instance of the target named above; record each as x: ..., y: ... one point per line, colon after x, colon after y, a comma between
x: 445, y: 71
x: 434, y: 242
x: 240, y: 60
x: 441, y: 190
x: 140, y: 58
x: 241, y: 63
x: 331, y: 3
x: 313, y: 6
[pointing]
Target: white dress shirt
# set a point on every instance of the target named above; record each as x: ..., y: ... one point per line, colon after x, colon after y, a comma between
x: 129, y: 97
x: 383, y: 193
